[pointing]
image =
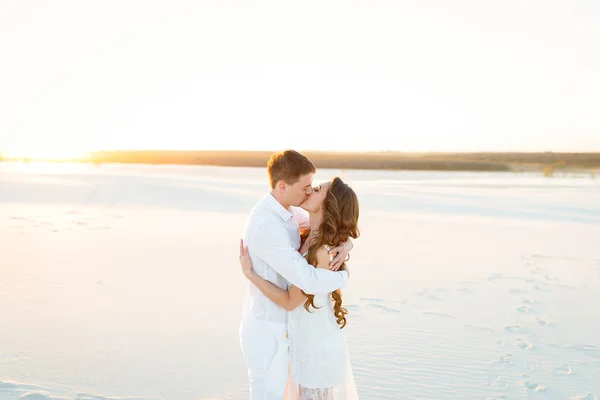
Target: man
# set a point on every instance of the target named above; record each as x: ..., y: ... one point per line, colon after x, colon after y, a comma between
x: 273, y: 238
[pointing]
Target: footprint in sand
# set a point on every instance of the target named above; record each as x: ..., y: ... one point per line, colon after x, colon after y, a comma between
x: 587, y: 396
x: 36, y: 395
x: 527, y: 306
x: 543, y: 322
x: 534, y: 386
x: 516, y: 327
x: 507, y: 359
x: 524, y: 309
x: 497, y: 382
x: 563, y: 370
x: 524, y: 344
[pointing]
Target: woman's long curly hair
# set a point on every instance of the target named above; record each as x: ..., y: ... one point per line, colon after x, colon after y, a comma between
x: 340, y: 222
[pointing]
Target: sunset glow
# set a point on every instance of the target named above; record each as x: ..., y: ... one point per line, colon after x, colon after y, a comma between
x: 46, y: 153
x: 404, y: 76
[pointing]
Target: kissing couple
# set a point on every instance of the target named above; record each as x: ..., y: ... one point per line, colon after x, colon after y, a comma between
x: 293, y: 252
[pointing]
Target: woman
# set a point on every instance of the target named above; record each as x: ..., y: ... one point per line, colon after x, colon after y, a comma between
x: 319, y: 362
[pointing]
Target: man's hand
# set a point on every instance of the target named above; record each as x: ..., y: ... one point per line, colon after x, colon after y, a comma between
x: 341, y: 253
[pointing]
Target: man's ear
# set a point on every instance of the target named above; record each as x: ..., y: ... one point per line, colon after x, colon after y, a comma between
x: 281, y: 186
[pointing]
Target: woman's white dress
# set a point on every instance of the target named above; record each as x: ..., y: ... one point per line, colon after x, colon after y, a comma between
x: 319, y: 360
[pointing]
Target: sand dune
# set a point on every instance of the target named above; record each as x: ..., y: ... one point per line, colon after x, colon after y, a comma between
x: 122, y: 282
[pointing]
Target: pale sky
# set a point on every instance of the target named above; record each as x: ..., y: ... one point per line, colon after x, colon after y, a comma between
x: 427, y: 75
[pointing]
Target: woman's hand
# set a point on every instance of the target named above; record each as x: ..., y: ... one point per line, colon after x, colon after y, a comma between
x: 340, y: 254
x: 245, y: 261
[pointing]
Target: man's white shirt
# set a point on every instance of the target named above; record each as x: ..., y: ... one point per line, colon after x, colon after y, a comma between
x: 273, y: 239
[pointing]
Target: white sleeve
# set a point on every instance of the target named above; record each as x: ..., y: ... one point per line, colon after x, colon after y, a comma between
x: 301, y: 217
x: 271, y: 243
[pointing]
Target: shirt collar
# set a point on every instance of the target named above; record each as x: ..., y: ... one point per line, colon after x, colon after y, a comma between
x: 277, y: 207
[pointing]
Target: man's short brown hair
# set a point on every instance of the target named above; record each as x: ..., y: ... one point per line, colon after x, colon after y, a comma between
x: 288, y: 166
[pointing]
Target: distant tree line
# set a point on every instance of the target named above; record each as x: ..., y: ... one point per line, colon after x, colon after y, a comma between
x: 369, y: 160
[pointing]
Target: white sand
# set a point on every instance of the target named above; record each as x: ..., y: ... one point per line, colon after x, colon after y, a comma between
x: 122, y: 282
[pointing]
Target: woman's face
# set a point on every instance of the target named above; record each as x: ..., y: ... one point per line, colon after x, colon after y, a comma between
x: 314, y: 202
